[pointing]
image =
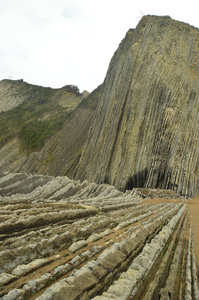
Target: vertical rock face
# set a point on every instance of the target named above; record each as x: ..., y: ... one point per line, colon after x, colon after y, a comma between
x: 146, y: 128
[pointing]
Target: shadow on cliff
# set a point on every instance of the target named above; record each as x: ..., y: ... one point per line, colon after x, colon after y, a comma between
x: 137, y: 180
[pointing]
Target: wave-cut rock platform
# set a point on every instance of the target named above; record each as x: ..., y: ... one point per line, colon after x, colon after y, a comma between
x: 65, y: 239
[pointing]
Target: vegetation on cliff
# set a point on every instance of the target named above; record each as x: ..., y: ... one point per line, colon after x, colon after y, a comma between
x: 38, y: 117
x: 43, y: 130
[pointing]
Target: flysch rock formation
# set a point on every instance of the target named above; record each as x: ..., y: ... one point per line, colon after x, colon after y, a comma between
x: 145, y: 132
x: 64, y: 239
x: 123, y: 229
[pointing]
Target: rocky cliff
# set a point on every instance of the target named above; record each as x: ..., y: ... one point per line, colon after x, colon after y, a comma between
x: 145, y: 131
x: 43, y: 130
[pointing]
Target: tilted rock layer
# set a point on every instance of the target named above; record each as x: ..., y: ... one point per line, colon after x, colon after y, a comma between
x: 146, y: 131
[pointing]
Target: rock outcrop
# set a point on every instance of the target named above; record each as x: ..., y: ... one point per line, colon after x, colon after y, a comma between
x: 10, y: 94
x: 145, y: 131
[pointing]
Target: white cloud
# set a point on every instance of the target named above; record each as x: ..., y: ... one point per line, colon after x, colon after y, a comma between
x: 54, y: 43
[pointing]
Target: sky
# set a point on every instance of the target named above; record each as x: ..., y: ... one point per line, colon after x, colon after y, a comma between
x: 54, y: 43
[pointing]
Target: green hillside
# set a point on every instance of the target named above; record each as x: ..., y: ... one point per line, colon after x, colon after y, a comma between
x: 39, y: 116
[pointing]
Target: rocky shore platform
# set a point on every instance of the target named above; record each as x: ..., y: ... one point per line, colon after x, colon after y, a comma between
x: 66, y: 239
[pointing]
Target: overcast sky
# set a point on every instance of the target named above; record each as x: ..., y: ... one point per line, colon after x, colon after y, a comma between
x: 59, y: 42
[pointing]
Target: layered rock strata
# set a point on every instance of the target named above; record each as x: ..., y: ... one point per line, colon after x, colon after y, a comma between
x: 61, y: 238
x: 146, y: 131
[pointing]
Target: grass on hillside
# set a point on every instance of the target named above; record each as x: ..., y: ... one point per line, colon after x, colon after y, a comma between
x: 23, y: 121
x: 38, y: 118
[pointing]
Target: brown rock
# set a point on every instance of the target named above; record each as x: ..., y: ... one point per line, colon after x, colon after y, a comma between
x: 113, y: 260
x: 85, y: 282
x: 69, y: 292
x: 99, y: 272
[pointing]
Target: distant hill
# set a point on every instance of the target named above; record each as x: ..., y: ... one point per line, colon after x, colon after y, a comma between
x: 33, y: 116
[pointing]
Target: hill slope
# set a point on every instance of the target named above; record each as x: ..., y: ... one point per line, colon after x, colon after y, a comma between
x: 38, y: 128
x: 146, y: 131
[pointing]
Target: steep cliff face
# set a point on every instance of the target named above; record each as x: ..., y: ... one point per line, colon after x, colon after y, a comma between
x: 146, y: 128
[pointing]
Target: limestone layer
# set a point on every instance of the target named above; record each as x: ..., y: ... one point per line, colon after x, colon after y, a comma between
x: 145, y: 131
